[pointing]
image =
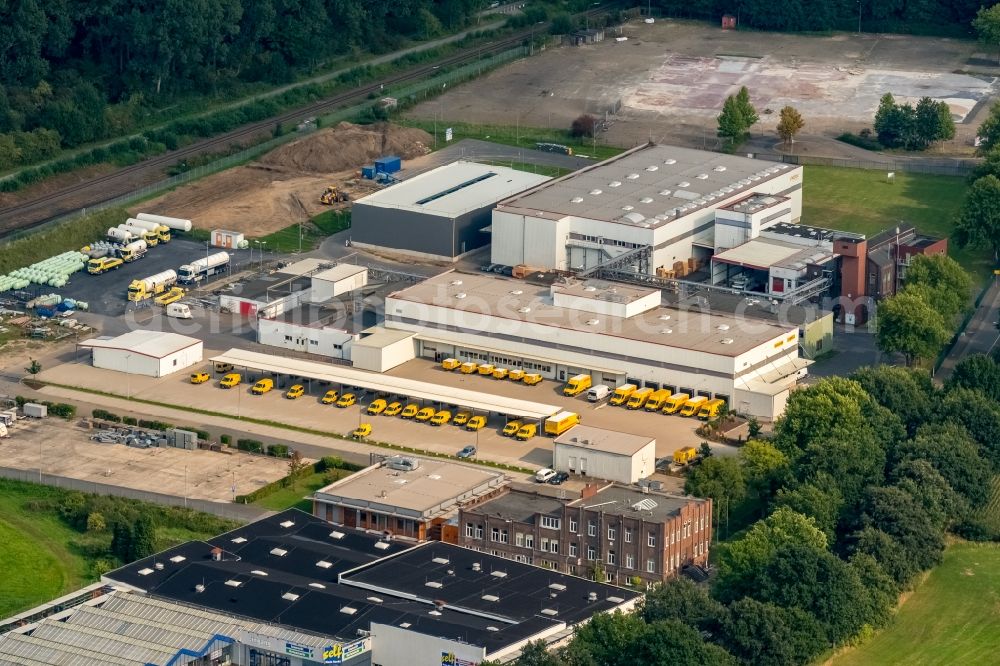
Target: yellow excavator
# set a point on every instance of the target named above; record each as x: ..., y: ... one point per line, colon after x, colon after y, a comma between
x: 333, y: 195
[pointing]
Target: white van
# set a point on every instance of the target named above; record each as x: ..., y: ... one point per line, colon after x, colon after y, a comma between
x: 599, y: 392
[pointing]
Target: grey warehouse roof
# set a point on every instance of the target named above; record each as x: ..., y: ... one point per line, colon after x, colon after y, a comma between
x: 453, y: 189
x: 605, y: 441
x: 648, y: 186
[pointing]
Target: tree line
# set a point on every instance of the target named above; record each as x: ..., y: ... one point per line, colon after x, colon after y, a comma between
x: 847, y: 503
x: 933, y: 16
x: 76, y: 71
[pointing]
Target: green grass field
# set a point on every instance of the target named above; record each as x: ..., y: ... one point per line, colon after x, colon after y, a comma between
x: 323, y: 225
x: 37, y: 559
x: 294, y: 497
x: 864, y: 202
x: 953, y: 617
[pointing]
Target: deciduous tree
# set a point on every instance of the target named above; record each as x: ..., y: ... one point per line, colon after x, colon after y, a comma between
x: 789, y: 123
x: 733, y: 125
x: 978, y: 223
x: 768, y: 635
x: 955, y: 455
x: 583, y: 126
x: 987, y: 25
x: 905, y: 392
x: 720, y: 478
x: 908, y: 325
x: 819, y: 499
x: 978, y: 372
x: 948, y: 285
x: 747, y: 109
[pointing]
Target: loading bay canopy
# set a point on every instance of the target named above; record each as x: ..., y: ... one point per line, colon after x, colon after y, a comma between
x: 450, y: 395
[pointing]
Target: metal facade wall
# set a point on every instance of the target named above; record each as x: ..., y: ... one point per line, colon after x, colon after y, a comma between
x: 420, y: 232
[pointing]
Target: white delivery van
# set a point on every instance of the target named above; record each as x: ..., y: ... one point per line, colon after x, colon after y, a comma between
x: 598, y: 393
x: 179, y: 310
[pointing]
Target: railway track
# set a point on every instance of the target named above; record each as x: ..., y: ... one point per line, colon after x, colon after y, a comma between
x: 103, y: 188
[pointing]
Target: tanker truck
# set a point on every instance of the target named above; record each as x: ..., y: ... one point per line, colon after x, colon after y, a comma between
x: 175, y: 223
x: 200, y: 269
x: 148, y: 235
x: 140, y: 290
x: 122, y: 235
x: 133, y: 251
x: 162, y: 232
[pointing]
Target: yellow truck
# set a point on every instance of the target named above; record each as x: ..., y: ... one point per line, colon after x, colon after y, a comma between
x: 450, y: 364
x: 638, y: 399
x: 560, y: 423
x: 685, y: 455
x: 154, y: 285
x: 623, y: 393
x: 486, y: 369
x: 468, y: 367
x: 711, y: 409
x: 515, y: 375
x: 656, y: 399
x: 675, y: 402
x: 532, y: 378
x: 577, y: 385
x: 103, y: 265
x: 692, y: 406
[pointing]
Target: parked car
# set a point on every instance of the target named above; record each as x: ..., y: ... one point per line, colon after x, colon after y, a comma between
x: 476, y: 423
x: 393, y: 409
x: 296, y: 391
x: 330, y: 397
x: 426, y: 414
x: 511, y: 428
x: 347, y: 400
x: 409, y: 411
x: 467, y: 452
x: 544, y: 474
x: 558, y: 479
x: 440, y: 418
x: 377, y: 406
x: 199, y: 378
x: 462, y: 418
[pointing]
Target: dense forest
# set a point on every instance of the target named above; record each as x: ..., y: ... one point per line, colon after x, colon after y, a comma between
x: 925, y: 16
x: 76, y: 71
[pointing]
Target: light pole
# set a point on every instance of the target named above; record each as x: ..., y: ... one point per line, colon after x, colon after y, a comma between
x: 128, y: 378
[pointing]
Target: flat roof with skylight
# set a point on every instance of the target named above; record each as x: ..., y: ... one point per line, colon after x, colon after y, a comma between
x: 605, y: 441
x: 454, y: 188
x: 648, y: 186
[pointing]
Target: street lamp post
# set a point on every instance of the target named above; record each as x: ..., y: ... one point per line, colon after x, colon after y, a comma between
x: 128, y: 378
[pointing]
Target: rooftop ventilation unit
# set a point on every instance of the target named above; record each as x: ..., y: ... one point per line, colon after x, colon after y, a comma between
x: 664, y: 317
x: 670, y: 161
x: 683, y: 183
x: 318, y: 586
x: 498, y: 574
x: 405, y: 625
x: 145, y: 572
x: 593, y: 322
x: 288, y: 523
x: 524, y: 310
x: 455, y: 283
x: 239, y: 540
x: 616, y: 600
x: 652, y: 167
x: 727, y: 341
x: 666, y: 193
x: 719, y: 168
x: 440, y: 560
x: 558, y: 587
x: 382, y: 545
x: 476, y: 566
x: 646, y: 200
x: 158, y: 566
x: 592, y: 596
x: 279, y: 552
x: 596, y: 192
x: 492, y: 628
x: 290, y: 596
x: 435, y: 613
x: 199, y: 588
x: 702, y: 176
x: 615, y: 183
x: 628, y: 208
x: 337, y: 535
x: 323, y: 564
x: 177, y: 559
x: 374, y: 600
x: 666, y: 331
x: 576, y: 200
x: 348, y: 610
x: 490, y: 597
x: 258, y: 572
x: 517, y: 292
x: 234, y: 583
x: 551, y: 612
x: 723, y: 327
x: 633, y: 176
x: 435, y: 584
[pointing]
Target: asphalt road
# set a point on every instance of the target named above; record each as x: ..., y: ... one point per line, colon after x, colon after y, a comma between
x: 981, y: 336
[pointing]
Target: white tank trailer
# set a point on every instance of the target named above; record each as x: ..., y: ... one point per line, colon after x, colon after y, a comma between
x: 122, y: 234
x: 200, y: 269
x: 172, y: 222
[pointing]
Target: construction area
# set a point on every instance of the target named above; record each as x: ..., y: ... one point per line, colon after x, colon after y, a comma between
x: 64, y: 448
x: 284, y: 186
x: 668, y: 81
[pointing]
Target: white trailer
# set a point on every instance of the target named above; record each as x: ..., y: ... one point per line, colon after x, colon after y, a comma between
x: 173, y: 222
x: 200, y: 269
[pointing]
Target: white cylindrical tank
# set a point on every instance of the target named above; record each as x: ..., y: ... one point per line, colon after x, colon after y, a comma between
x: 142, y: 224
x: 121, y: 235
x: 172, y: 222
x: 135, y: 246
x: 162, y: 278
x: 211, y: 261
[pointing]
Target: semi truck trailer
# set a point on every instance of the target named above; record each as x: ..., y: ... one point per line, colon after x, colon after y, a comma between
x: 153, y: 285
x: 200, y: 269
x: 162, y: 232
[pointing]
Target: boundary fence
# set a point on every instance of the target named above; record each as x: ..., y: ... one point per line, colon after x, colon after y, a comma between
x: 937, y: 166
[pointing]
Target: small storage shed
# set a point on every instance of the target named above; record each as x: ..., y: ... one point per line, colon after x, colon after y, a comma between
x: 604, y: 454
x: 150, y: 353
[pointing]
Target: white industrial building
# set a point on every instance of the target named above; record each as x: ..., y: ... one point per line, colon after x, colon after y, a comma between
x: 380, y: 349
x: 615, y: 332
x: 150, y: 353
x: 305, y: 281
x: 313, y: 338
x: 675, y: 203
x: 604, y: 454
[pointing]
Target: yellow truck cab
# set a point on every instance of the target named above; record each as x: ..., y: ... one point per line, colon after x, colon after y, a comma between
x: 377, y: 406
x: 675, y: 402
x: 515, y: 375
x: 450, y: 364
x: 476, y: 423
x: 560, y: 423
x: 692, y: 406
x: 511, y: 428
x: 527, y: 431
x: 330, y: 397
x: 468, y: 367
x: 199, y: 377
x: 230, y: 380
x: 654, y: 402
x: 486, y: 369
x: 685, y: 455
x: 532, y: 379
x: 622, y: 394
x: 103, y: 265
x: 262, y: 386
x: 577, y: 385
x: 711, y: 409
x: 638, y: 398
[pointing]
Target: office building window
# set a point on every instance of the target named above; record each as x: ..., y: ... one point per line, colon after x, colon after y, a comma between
x: 611, y: 534
x: 651, y: 540
x: 629, y: 561
x: 628, y: 536
x: 504, y: 536
x: 553, y: 546
x: 529, y: 540
x: 572, y: 525
x: 479, y: 531
x: 572, y: 550
x: 611, y: 557
x: 591, y: 528
x: 550, y: 523
x: 591, y: 553
x: 469, y: 529
x: 651, y: 566
x: 608, y: 577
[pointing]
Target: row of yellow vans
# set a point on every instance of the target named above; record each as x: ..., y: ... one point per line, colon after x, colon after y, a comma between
x: 489, y: 370
x: 662, y: 400
x: 426, y: 414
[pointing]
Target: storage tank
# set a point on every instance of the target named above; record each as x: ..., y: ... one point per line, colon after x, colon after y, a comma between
x: 167, y: 277
x: 142, y: 224
x: 135, y: 246
x: 172, y: 222
x: 198, y: 269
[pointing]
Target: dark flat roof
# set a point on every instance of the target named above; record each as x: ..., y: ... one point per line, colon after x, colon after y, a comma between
x: 287, y: 570
x: 520, y: 506
x: 271, y: 287
x: 621, y: 500
x: 753, y: 305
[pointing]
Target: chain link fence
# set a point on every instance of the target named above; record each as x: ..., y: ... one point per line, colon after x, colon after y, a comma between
x: 240, y: 512
x: 936, y: 166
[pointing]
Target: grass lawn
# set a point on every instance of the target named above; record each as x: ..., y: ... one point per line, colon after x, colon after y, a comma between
x: 37, y: 559
x: 313, y: 232
x: 951, y: 618
x: 293, y: 497
x: 863, y: 202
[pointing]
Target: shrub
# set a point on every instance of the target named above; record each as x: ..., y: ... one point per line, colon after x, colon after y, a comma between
x: 155, y: 425
x: 130, y: 420
x: 861, y: 140
x: 250, y: 445
x: 105, y: 415
x: 225, y: 439
x: 583, y: 126
x: 277, y: 450
x: 203, y: 435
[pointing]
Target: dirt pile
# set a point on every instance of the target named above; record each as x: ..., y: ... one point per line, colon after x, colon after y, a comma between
x: 348, y: 146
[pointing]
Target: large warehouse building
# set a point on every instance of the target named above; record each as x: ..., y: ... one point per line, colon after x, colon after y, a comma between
x: 293, y: 590
x: 440, y: 214
x: 675, y: 202
x: 615, y: 332
x: 141, y: 352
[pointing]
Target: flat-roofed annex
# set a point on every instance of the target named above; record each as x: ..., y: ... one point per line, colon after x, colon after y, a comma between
x: 650, y: 185
x: 522, y: 304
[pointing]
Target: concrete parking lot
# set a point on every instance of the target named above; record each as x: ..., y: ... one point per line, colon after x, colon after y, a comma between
x: 670, y: 432
x: 65, y: 449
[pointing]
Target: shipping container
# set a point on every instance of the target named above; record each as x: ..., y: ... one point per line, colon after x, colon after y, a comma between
x: 388, y: 164
x: 368, y: 172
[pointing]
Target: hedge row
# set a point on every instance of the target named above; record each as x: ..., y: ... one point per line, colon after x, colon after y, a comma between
x: 256, y: 446
x: 60, y: 409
